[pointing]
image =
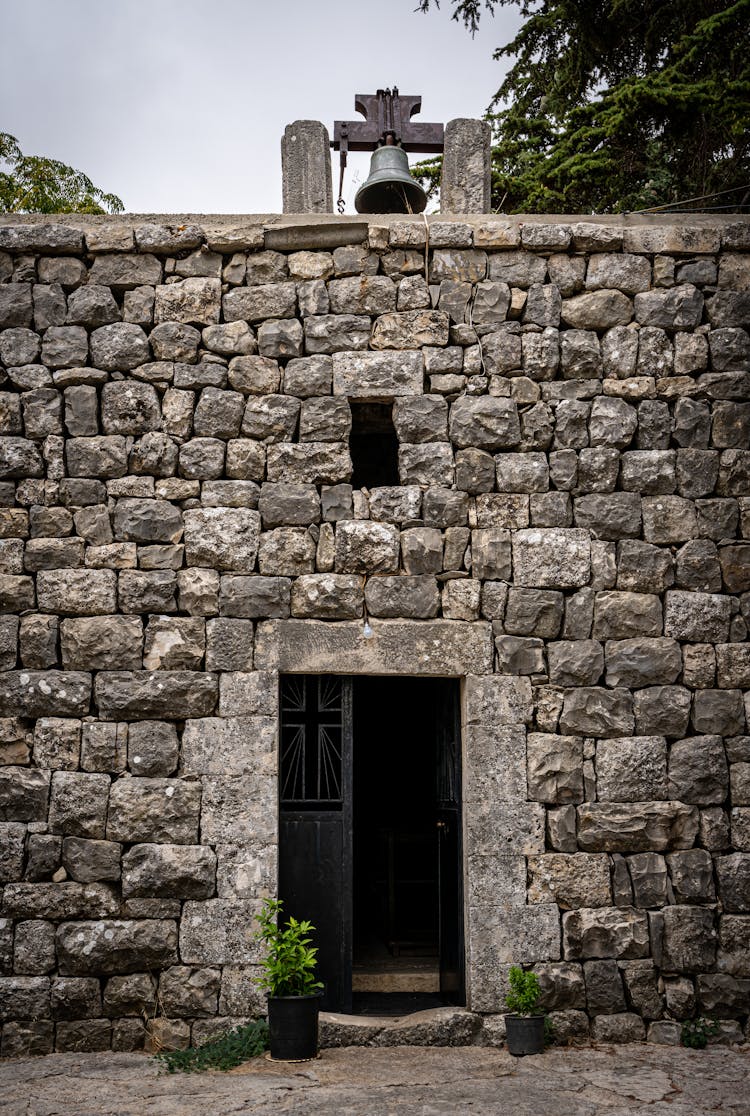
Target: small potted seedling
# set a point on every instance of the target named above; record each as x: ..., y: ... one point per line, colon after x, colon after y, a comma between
x: 289, y: 980
x: 524, y: 1023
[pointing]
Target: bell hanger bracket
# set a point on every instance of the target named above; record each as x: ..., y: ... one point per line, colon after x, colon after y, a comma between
x: 387, y: 121
x: 387, y: 117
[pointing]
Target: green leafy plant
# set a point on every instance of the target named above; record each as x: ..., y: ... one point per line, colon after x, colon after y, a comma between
x: 36, y: 184
x: 289, y: 964
x: 222, y: 1053
x: 525, y: 993
x: 696, y: 1032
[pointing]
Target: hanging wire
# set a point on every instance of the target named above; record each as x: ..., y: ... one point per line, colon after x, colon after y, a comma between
x: 702, y: 197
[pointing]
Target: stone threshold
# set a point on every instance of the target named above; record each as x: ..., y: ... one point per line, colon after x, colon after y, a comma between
x: 443, y: 1026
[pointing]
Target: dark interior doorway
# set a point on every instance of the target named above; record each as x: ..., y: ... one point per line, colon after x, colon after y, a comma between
x: 370, y: 846
x: 396, y: 878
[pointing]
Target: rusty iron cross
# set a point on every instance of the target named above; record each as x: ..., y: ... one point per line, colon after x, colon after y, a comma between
x: 387, y: 116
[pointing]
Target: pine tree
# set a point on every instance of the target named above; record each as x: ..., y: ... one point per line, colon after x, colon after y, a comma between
x: 614, y: 105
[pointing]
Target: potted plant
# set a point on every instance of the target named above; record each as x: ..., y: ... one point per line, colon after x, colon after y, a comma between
x: 289, y: 980
x: 524, y: 1023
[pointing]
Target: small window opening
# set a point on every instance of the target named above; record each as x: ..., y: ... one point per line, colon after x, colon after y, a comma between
x: 373, y: 445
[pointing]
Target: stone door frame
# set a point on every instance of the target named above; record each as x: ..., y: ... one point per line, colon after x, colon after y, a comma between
x: 500, y: 827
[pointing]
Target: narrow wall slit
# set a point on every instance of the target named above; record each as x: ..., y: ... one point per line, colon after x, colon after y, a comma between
x: 370, y: 836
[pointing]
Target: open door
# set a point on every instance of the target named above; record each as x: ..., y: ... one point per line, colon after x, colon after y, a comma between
x: 370, y: 836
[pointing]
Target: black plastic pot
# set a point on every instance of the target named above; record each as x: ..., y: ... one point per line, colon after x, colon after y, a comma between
x: 524, y: 1034
x: 293, y: 1026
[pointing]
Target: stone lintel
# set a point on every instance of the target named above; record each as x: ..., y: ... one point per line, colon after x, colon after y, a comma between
x: 438, y: 648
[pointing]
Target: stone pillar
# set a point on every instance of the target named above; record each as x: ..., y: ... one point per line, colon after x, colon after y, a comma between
x: 465, y: 183
x: 306, y: 168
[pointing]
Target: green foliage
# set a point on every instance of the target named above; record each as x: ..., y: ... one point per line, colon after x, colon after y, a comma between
x: 289, y: 965
x: 525, y: 993
x: 221, y: 1053
x: 613, y: 105
x: 33, y: 184
x: 696, y: 1032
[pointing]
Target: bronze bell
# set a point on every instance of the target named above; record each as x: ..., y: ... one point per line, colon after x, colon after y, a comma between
x: 390, y: 187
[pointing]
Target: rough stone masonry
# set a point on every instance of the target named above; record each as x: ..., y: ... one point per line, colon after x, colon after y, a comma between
x: 570, y: 535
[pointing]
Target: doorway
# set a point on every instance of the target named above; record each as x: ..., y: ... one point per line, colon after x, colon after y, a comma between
x: 370, y: 836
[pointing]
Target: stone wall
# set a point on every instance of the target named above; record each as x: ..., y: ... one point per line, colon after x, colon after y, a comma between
x: 571, y: 535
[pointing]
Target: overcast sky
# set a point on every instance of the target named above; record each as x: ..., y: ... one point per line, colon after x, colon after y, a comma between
x: 179, y: 105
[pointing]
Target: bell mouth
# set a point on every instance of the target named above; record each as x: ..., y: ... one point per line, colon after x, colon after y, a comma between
x: 390, y: 187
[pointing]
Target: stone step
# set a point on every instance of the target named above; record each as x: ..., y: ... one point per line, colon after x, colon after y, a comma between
x: 443, y: 1026
x: 397, y: 980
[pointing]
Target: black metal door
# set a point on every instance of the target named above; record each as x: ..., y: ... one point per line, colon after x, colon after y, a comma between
x: 315, y: 821
x: 450, y: 870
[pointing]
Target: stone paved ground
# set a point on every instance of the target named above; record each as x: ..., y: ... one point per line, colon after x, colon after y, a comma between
x: 421, y: 1081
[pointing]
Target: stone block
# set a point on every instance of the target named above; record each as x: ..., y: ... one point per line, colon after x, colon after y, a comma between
x: 594, y: 711
x: 230, y: 745
x: 465, y: 179
x: 514, y: 935
x: 309, y: 463
x: 259, y: 302
x: 649, y: 879
x: 219, y: 932
x: 636, y: 827
x: 698, y: 770
x: 580, y: 880
x: 101, y: 643
x: 57, y: 743
x: 90, y: 861
x: 288, y: 551
x: 557, y: 558
x: 555, y: 768
x: 691, y: 874
x: 174, y: 643
x: 484, y: 422
x: 425, y: 464
x: 255, y: 597
x: 366, y: 547
x: 57, y: 901
x: 689, y: 939
x: 662, y: 710
x: 186, y: 991
x: 496, y: 701
x: 196, y: 301
x: 575, y: 662
x: 129, y: 407
x: 78, y: 804
x: 115, y: 946
x: 24, y: 997
x: 143, y: 696
x: 377, y: 376
x: 668, y: 520
x: 142, y: 591
x: 77, y: 592
x: 631, y: 769
x: 391, y: 597
x: 436, y: 647
x: 169, y: 871
x: 733, y: 880
x: 222, y: 538
x: 161, y: 811
x: 229, y: 644
x: 75, y: 998
x: 131, y: 994
x: 605, y: 932
x: 153, y: 748
x: 494, y: 764
x: 679, y: 307
x: 642, y: 661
